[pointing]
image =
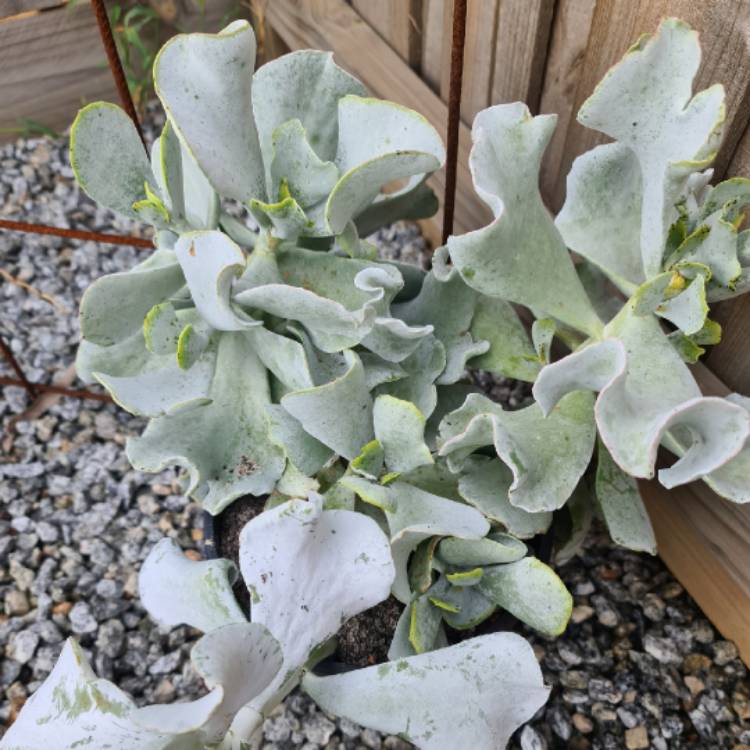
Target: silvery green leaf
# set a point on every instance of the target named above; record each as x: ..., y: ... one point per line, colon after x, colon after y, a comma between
x: 336, y: 299
x: 393, y: 339
x: 296, y: 169
x: 378, y: 142
x: 510, y: 354
x: 249, y: 462
x: 305, y: 85
x: 689, y: 309
x: 601, y: 217
x: 645, y: 390
x: 504, y: 258
x: 204, y: 82
x: 622, y: 507
x: 423, y: 367
x: 580, y: 512
x: 462, y: 578
x: 161, y: 329
x: 421, y: 565
x: 162, y: 386
x: 717, y: 249
x: 302, y: 449
x: 283, y: 356
x: 424, y: 624
x: 238, y: 231
x: 178, y: 591
x: 485, y: 484
x: 300, y: 563
x: 339, y: 413
x: 293, y: 483
x: 420, y: 202
x: 238, y: 661
x: 128, y: 356
x: 108, y: 158
x: 379, y: 370
x: 400, y: 643
x: 399, y: 426
x: 542, y: 333
x: 114, y: 306
x: 547, y: 455
x: 210, y: 262
x: 369, y: 462
x: 472, y: 552
x: 447, y: 304
x: 284, y: 219
x: 732, y: 195
x: 435, y: 478
x: 732, y: 480
x: 73, y: 708
x: 530, y: 591
x: 646, y: 103
x: 464, y: 607
x: 415, y: 515
x: 474, y: 694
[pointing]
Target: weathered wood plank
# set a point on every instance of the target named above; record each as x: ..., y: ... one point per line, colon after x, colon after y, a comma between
x: 16, y: 7
x: 399, y: 22
x: 435, y: 41
x: 523, y: 29
x: 724, y: 26
x: 704, y: 542
x: 563, y: 69
x: 51, y: 64
x: 334, y: 25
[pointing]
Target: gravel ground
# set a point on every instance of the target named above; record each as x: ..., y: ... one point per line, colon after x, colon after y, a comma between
x: 639, y: 667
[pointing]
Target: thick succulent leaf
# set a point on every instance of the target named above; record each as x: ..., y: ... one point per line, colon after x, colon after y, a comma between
x: 732, y: 480
x: 425, y: 621
x: 415, y: 515
x: 302, y: 449
x: 622, y: 507
x: 447, y: 304
x: 162, y: 386
x: 423, y: 367
x: 471, y: 552
x: 339, y: 413
x: 474, y: 694
x: 176, y: 590
x: 337, y: 300
x: 547, y: 455
x: 399, y: 427
x: 108, y: 158
x: 421, y: 565
x: 249, y: 463
x: 285, y: 357
x: 532, y: 592
x: 571, y: 537
x: 115, y: 306
x: 645, y: 390
x: 645, y: 103
x: 210, y: 262
x: 420, y: 202
x: 464, y: 607
x: 379, y: 370
x: 204, y: 82
x: 301, y: 564
x: 304, y: 86
x: 73, y: 709
x: 485, y: 484
x: 296, y: 169
x: 242, y: 659
x: 511, y: 353
x: 601, y: 217
x: 378, y: 142
x: 503, y: 259
x: 284, y: 219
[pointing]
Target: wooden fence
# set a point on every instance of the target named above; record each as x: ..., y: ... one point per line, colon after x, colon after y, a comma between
x: 548, y: 53
x: 551, y: 54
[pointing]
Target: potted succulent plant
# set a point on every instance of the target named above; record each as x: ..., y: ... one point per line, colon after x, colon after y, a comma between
x: 290, y: 366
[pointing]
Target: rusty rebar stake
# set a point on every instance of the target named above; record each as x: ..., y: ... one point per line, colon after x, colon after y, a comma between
x: 76, y: 234
x: 23, y: 381
x: 115, y: 64
x: 454, y: 114
x: 62, y: 390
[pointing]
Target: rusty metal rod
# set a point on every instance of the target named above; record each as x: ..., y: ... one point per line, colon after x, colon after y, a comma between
x: 454, y: 114
x: 23, y: 381
x: 115, y: 65
x: 72, y: 392
x: 76, y: 234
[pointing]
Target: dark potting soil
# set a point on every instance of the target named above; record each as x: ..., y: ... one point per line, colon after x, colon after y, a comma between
x: 365, y: 639
x: 227, y: 527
